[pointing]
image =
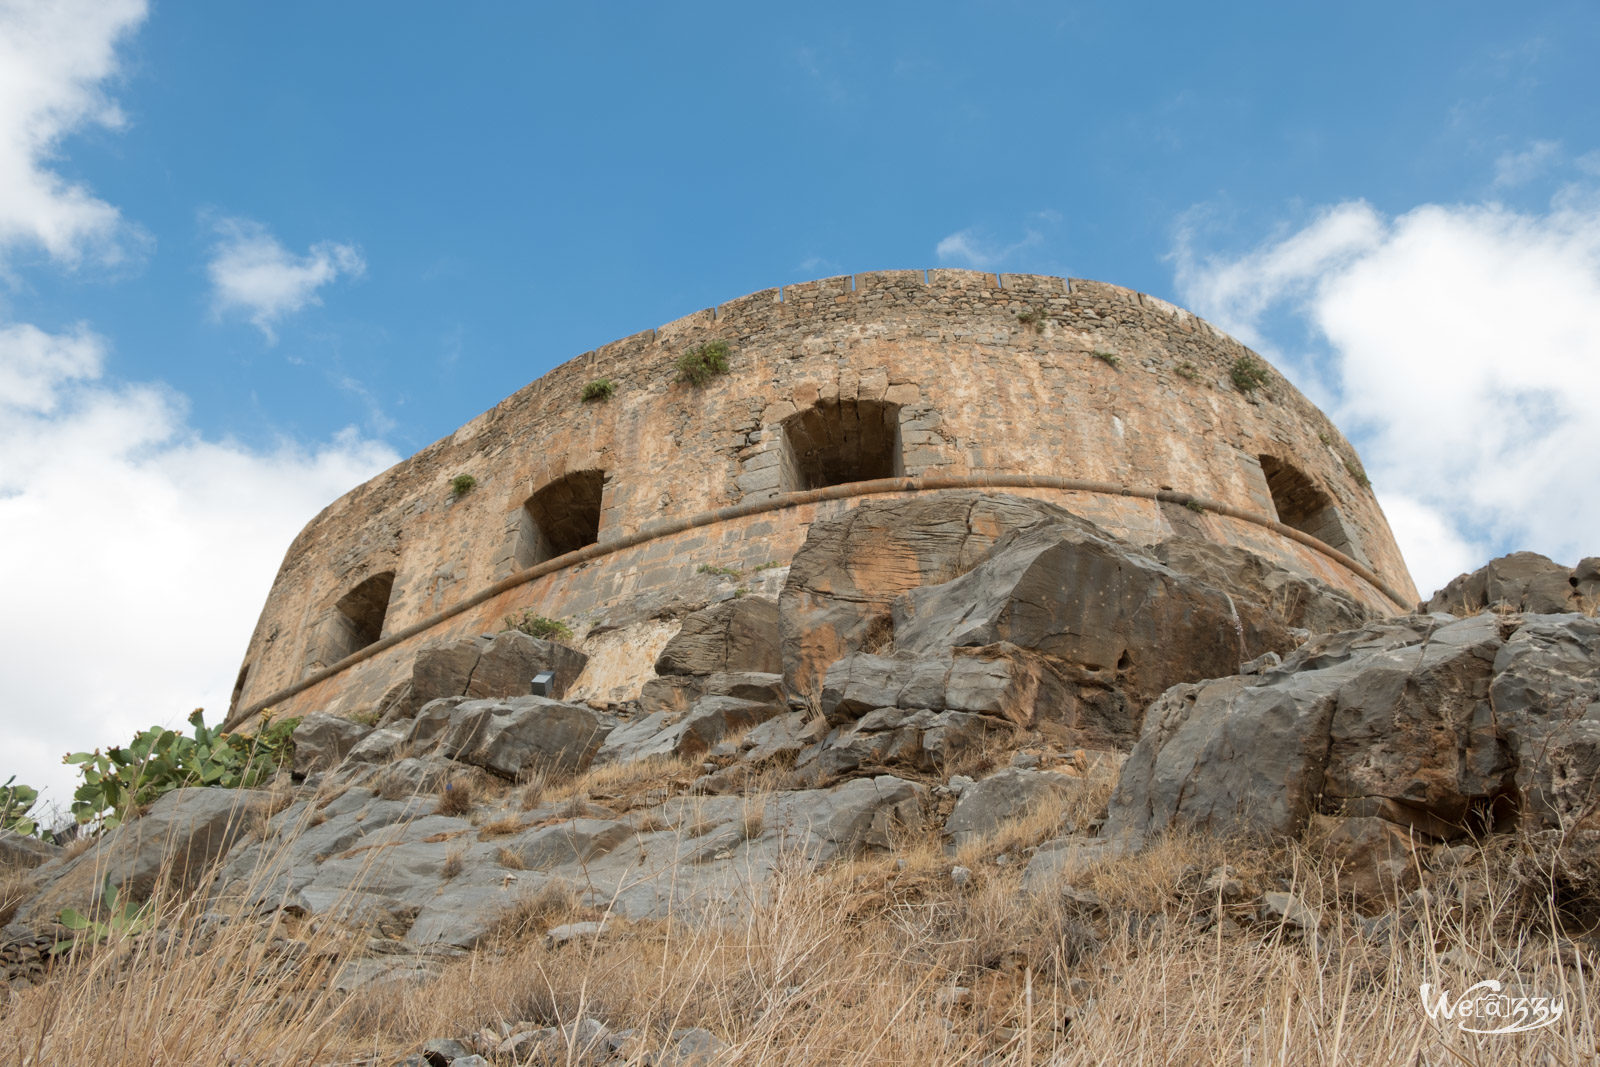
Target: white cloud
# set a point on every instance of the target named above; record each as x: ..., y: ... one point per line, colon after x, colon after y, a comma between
x: 34, y: 364
x: 134, y: 553
x: 1459, y: 344
x: 54, y: 57
x: 969, y: 248
x: 252, y: 272
x: 1519, y: 168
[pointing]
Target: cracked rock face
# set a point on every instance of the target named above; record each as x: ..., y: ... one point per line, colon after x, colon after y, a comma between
x: 1440, y: 725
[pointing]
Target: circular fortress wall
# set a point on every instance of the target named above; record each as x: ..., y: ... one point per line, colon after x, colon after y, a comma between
x: 1116, y: 405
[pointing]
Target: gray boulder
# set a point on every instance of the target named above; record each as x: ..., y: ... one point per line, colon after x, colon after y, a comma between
x: 1439, y: 726
x: 1522, y: 581
x: 675, y: 692
x: 1257, y: 754
x: 490, y: 666
x: 689, y: 733
x: 1545, y: 701
x: 848, y: 572
x: 1092, y: 603
x: 171, y: 845
x: 521, y: 734
x: 1014, y: 793
x: 891, y: 739
x: 380, y: 746
x: 731, y: 636
x: 322, y: 741
x: 21, y: 851
x: 1267, y: 595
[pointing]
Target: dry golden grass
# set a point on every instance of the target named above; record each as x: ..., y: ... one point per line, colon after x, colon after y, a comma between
x: 454, y: 799
x: 859, y: 963
x: 501, y: 827
x: 14, y: 889
x: 633, y: 784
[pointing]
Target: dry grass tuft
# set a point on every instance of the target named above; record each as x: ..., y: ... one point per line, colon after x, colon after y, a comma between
x: 15, y: 887
x: 454, y: 864
x: 510, y: 859
x: 637, y: 783
x: 454, y: 799
x: 501, y: 827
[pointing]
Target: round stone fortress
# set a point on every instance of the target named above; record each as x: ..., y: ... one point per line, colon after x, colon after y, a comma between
x: 1115, y: 405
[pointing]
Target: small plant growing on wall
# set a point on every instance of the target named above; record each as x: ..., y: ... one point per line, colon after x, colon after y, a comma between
x: 1249, y: 373
x: 462, y: 484
x: 540, y: 626
x: 1195, y: 506
x: 1187, y: 371
x: 700, y: 364
x: 599, y: 389
x: 1110, y: 359
x: 1033, y: 318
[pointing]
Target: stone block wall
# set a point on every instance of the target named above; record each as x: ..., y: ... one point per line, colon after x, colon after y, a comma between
x: 961, y: 377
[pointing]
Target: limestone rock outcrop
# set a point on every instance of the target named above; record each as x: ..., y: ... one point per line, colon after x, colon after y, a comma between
x: 492, y: 665
x: 174, y: 843
x: 734, y: 636
x: 1442, y: 727
x: 1522, y: 581
x: 1016, y: 610
x: 843, y: 581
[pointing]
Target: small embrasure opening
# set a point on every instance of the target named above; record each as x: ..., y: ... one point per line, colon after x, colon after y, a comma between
x: 358, y: 617
x: 1302, y: 505
x: 839, y: 441
x: 562, y: 517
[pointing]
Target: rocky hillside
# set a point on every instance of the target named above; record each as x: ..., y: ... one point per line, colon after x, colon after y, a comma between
x: 976, y: 685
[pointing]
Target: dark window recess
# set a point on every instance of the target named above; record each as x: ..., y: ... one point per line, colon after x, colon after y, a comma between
x: 560, y: 518
x: 839, y: 441
x: 358, y: 617
x: 1302, y: 505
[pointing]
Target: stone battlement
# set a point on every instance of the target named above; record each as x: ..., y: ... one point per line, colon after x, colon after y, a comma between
x: 1114, y: 404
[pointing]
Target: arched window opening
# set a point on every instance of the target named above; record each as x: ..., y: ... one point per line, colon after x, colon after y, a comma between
x: 562, y: 517
x: 358, y: 617
x: 839, y: 441
x: 1303, y: 506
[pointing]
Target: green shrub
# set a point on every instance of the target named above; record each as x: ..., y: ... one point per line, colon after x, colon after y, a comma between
x: 1249, y: 373
x: 1188, y: 371
x: 726, y: 572
x: 599, y: 389
x: 545, y: 629
x: 1195, y: 506
x: 159, y: 760
x: 462, y: 484
x: 701, y: 363
x: 1110, y: 359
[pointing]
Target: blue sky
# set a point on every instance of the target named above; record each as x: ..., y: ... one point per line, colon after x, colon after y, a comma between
x: 251, y: 254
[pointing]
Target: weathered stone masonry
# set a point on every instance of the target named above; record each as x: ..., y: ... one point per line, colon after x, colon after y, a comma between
x: 1111, y: 403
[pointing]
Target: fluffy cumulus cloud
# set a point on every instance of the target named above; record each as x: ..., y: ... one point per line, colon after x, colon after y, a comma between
x: 251, y: 272
x: 1458, y: 345
x: 55, y: 56
x: 134, y: 553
